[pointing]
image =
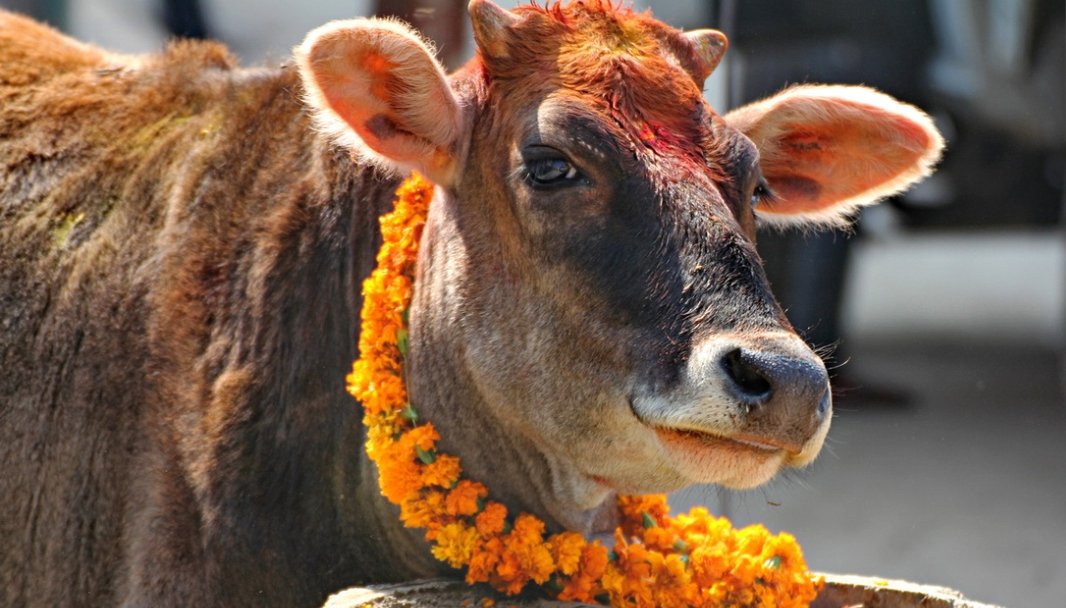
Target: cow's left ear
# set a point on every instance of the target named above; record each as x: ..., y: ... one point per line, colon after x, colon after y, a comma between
x: 828, y: 150
x: 376, y: 87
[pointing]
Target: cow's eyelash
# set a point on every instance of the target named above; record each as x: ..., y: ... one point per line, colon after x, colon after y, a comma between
x: 762, y: 193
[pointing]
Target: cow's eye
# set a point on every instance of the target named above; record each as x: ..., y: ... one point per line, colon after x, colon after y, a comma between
x: 553, y: 171
x: 761, y: 193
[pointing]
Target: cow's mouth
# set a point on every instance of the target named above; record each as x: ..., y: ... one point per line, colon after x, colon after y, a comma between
x: 700, y: 441
x: 734, y: 460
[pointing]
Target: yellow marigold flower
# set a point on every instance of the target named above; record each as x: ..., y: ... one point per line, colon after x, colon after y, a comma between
x: 708, y: 564
x: 492, y: 519
x: 463, y: 498
x: 454, y: 544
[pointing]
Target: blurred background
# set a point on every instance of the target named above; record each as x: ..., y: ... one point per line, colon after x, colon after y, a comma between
x: 945, y: 308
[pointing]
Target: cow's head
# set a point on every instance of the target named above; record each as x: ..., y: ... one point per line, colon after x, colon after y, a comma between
x: 590, y: 268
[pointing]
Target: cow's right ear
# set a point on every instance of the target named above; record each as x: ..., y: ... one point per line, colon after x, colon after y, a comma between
x: 376, y: 87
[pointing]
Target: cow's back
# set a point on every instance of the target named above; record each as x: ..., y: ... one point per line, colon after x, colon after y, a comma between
x: 99, y: 157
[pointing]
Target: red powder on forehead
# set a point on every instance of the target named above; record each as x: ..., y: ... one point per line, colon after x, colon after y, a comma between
x: 637, y: 70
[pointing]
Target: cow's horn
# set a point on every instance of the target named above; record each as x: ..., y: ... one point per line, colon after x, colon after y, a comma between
x: 710, y: 47
x: 490, y: 26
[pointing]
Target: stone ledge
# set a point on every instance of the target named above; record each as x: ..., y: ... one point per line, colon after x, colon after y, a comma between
x: 841, y: 591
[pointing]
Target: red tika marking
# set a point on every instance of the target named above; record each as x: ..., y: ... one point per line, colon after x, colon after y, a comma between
x: 646, y: 134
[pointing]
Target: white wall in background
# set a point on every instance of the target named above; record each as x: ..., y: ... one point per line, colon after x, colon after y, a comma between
x: 1007, y: 285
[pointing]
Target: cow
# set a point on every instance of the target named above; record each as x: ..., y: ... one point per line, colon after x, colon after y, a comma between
x: 182, y: 243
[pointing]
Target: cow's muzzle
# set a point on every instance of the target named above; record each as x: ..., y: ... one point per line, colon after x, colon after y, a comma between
x: 746, y: 404
x: 785, y: 393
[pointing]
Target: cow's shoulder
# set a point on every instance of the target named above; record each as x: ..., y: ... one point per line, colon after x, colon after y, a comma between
x: 31, y: 52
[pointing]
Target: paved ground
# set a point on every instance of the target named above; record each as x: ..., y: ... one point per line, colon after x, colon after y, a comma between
x: 964, y: 487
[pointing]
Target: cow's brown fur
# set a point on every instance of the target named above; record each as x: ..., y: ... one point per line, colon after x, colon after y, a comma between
x: 182, y: 243
x: 177, y: 273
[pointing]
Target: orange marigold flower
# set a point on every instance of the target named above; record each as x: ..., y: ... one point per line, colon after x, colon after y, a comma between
x: 526, y: 544
x: 424, y: 437
x: 463, y: 498
x: 483, y: 560
x: 634, y: 508
x: 383, y: 390
x: 399, y: 479
x: 527, y: 528
x: 567, y: 548
x: 525, y: 556
x: 442, y: 472
x: 660, y: 539
x: 422, y: 510
x: 492, y: 519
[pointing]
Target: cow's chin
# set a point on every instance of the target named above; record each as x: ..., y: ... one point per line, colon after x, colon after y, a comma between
x: 681, y: 459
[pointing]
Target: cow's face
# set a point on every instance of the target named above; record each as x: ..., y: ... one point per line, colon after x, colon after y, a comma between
x: 620, y: 304
x: 590, y: 260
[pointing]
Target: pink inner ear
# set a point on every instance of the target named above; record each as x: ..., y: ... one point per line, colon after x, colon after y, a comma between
x: 379, y: 90
x: 850, y: 150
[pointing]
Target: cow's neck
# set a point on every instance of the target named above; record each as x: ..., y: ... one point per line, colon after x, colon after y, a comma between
x: 516, y: 471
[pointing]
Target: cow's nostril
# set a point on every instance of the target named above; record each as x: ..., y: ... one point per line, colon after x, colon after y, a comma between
x: 823, y: 405
x: 748, y: 381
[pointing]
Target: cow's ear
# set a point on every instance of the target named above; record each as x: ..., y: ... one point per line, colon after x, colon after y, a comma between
x: 828, y: 150
x: 376, y: 87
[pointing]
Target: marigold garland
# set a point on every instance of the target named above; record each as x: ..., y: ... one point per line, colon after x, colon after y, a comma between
x: 657, y: 561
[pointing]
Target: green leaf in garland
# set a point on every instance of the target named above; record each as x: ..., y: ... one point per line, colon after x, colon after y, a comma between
x: 424, y: 456
x: 553, y: 585
x: 647, y: 520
